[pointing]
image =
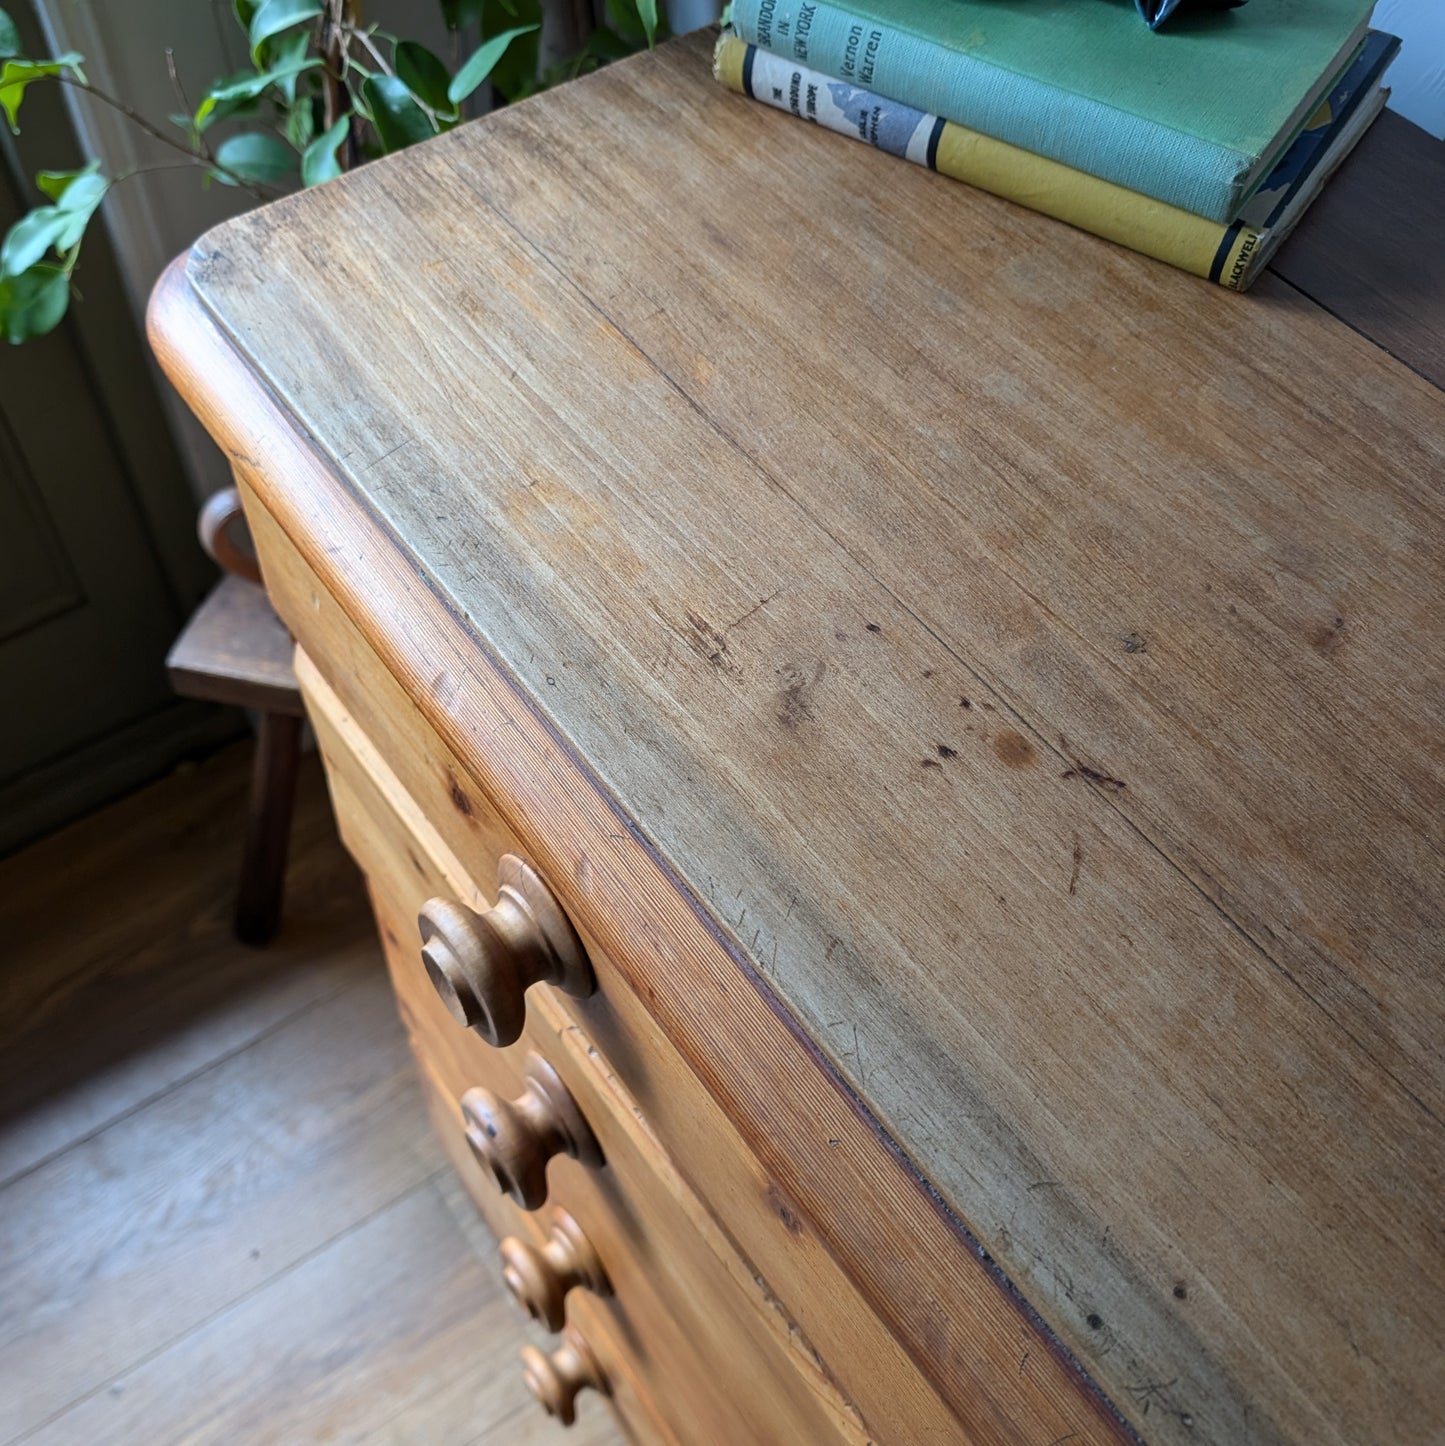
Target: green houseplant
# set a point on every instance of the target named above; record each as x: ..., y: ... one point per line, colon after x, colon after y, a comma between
x: 324, y: 92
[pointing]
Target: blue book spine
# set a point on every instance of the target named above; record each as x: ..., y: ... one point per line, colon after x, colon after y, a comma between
x: 1157, y: 160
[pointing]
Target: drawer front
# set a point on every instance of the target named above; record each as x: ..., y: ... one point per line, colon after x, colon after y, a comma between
x: 628, y: 1393
x: 715, y: 1354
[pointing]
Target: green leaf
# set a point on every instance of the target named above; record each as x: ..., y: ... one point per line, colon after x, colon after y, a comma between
x: 623, y: 16
x: 55, y: 183
x: 301, y: 122
x: 59, y: 227
x: 359, y: 103
x: 9, y: 37
x: 244, y: 11
x: 16, y: 74
x: 460, y: 13
x: 76, y: 192
x: 274, y: 16
x: 30, y: 238
x: 33, y: 303
x: 399, y: 120
x: 319, y: 162
x: 638, y: 22
x: 226, y: 97
x: 424, y: 76
x: 482, y: 62
x: 253, y: 156
x: 515, y: 74
x: 604, y: 45
x: 647, y: 13
x: 289, y: 58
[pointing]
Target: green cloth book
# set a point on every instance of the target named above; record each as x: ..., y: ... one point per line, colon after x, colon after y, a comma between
x: 1195, y: 114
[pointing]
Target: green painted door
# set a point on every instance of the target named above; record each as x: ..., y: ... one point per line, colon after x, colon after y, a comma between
x: 87, y: 610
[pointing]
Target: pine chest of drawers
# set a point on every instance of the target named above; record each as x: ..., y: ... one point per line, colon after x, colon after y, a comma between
x: 897, y: 752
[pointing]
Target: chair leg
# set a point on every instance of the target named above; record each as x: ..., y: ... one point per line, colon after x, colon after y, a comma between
x: 268, y: 827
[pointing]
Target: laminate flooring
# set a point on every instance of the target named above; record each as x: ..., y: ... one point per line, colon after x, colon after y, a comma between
x: 223, y: 1214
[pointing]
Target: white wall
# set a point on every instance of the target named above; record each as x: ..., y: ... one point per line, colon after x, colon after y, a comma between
x: 1417, y: 78
x: 692, y: 14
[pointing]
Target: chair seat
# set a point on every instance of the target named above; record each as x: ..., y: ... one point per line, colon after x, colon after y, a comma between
x: 236, y: 650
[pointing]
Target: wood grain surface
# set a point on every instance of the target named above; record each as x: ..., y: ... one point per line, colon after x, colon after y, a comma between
x: 235, y: 650
x: 1031, y: 656
x: 724, y: 1360
x: 121, y: 975
x: 837, y: 1189
x: 758, y: 1207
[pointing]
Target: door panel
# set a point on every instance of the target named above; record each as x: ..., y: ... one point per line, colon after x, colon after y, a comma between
x: 87, y: 612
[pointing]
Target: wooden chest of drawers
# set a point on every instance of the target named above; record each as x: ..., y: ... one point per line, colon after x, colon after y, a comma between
x: 956, y: 712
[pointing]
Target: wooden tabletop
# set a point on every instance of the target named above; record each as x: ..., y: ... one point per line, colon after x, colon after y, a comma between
x: 1033, y: 656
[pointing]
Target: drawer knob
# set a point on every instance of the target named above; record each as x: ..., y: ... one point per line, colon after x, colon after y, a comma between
x: 513, y: 1139
x: 481, y: 965
x: 556, y: 1379
x: 540, y: 1279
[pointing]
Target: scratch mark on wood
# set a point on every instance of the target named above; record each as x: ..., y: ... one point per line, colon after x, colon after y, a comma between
x: 1079, y: 769
x: 757, y: 607
x: 377, y: 461
x: 1078, y: 864
x: 1151, y: 1391
x: 702, y: 638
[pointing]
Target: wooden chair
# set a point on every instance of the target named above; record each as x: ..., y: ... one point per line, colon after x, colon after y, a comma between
x: 235, y: 650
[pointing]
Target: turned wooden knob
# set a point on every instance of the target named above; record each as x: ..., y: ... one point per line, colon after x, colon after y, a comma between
x: 483, y: 964
x: 513, y: 1139
x: 540, y: 1279
x: 555, y: 1380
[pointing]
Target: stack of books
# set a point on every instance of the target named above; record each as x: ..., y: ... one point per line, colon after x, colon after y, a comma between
x: 1200, y: 145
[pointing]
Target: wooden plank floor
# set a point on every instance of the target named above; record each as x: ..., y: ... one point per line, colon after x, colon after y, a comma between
x: 223, y: 1215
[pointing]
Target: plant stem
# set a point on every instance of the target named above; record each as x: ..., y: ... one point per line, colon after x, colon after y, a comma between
x: 195, y: 160
x: 176, y: 85
x: 376, y: 55
x: 338, y: 99
x: 261, y: 192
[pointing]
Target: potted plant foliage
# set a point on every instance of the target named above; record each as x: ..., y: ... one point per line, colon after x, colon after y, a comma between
x: 324, y: 91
